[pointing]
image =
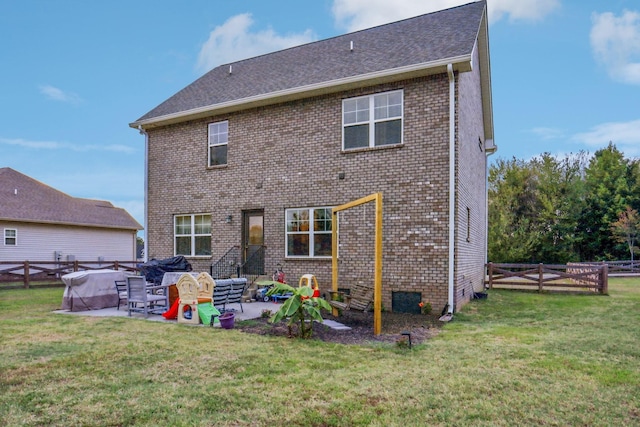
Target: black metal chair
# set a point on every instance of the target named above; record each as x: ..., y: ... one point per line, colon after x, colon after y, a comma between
x: 121, y: 289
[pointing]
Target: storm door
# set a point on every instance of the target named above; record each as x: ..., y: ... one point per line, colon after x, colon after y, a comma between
x: 253, y: 242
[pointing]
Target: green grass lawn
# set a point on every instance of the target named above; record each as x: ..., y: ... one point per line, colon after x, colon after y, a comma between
x: 514, y: 359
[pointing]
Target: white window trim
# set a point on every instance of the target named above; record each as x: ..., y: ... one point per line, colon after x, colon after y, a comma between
x: 372, y: 121
x: 311, y: 233
x: 219, y: 144
x: 192, y: 235
x: 6, y: 236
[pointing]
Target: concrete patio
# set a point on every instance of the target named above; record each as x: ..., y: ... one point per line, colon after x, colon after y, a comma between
x: 252, y: 310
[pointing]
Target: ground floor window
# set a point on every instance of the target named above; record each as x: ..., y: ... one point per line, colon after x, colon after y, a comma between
x: 10, y: 237
x: 192, y: 235
x: 308, y: 232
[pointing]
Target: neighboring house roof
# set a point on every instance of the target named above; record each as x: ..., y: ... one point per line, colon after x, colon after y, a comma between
x: 412, y: 47
x: 23, y: 199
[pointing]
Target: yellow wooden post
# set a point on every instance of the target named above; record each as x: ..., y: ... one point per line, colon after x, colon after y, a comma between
x: 377, y: 277
x: 334, y: 255
x: 377, y: 292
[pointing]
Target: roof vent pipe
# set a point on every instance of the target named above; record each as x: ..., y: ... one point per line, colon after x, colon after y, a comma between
x: 351, y: 46
x: 230, y: 69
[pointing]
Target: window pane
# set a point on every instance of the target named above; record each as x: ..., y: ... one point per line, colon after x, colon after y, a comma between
x: 350, y: 118
x: 322, y: 244
x: 356, y: 136
x: 298, y: 245
x: 256, y: 234
x: 363, y: 116
x: 203, y: 245
x: 395, y: 111
x: 218, y: 155
x: 183, y: 246
x: 322, y: 219
x: 218, y: 132
x: 388, y: 132
x: 183, y: 225
x: 388, y: 105
x: 394, y: 98
x: 298, y: 220
x: 350, y: 105
x: 380, y: 105
x: 356, y: 110
x: 202, y: 224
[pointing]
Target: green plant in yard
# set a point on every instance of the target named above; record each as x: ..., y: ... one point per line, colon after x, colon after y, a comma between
x: 425, y: 307
x: 266, y: 313
x: 301, y: 307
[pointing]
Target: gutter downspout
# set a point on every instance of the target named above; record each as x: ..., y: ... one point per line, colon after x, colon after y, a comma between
x: 146, y: 202
x: 452, y: 186
x: 490, y: 149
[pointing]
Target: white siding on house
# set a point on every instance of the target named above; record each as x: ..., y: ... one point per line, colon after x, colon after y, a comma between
x: 38, y: 242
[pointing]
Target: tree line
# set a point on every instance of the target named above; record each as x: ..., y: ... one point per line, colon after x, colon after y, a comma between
x: 553, y: 209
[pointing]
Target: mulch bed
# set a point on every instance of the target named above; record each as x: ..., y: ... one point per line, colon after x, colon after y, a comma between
x: 421, y: 328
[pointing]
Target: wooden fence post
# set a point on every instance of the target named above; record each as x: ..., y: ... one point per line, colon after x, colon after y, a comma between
x: 490, y: 275
x: 26, y: 275
x: 540, y: 276
x: 604, y: 280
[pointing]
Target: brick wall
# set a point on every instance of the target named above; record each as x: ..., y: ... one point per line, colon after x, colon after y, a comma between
x: 289, y: 156
x: 471, y: 239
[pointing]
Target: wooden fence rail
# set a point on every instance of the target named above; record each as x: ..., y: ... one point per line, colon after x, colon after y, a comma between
x: 627, y: 267
x: 541, y: 277
x: 51, y: 271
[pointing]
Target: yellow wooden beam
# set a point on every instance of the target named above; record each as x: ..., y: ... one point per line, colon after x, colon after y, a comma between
x: 377, y: 276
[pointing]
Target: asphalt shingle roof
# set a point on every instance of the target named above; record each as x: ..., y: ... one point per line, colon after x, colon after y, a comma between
x: 24, y: 199
x: 425, y: 39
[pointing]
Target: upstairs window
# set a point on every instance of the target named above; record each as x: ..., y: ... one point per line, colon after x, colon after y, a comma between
x: 192, y: 235
x: 308, y: 232
x: 218, y: 139
x: 372, y: 121
x: 10, y: 237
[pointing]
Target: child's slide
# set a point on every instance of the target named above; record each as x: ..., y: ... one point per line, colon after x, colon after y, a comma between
x: 172, y: 313
x: 206, y: 311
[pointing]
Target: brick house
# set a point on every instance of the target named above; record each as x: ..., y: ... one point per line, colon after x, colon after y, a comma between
x: 254, y: 155
x: 40, y: 223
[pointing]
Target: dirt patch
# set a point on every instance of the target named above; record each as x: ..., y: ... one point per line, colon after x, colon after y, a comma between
x: 421, y: 328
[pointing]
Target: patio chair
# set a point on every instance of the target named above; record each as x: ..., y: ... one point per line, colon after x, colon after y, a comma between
x: 238, y: 287
x: 142, y: 298
x: 221, y: 293
x: 121, y: 290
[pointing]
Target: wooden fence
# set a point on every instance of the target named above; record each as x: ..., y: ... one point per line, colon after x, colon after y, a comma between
x: 48, y: 273
x: 623, y: 268
x: 546, y: 277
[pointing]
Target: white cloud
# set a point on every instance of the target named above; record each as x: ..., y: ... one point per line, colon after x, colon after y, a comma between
x: 56, y: 145
x: 525, y: 10
x: 233, y: 40
x: 625, y: 135
x: 616, y: 44
x: 57, y: 94
x: 548, y: 133
x: 358, y: 14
